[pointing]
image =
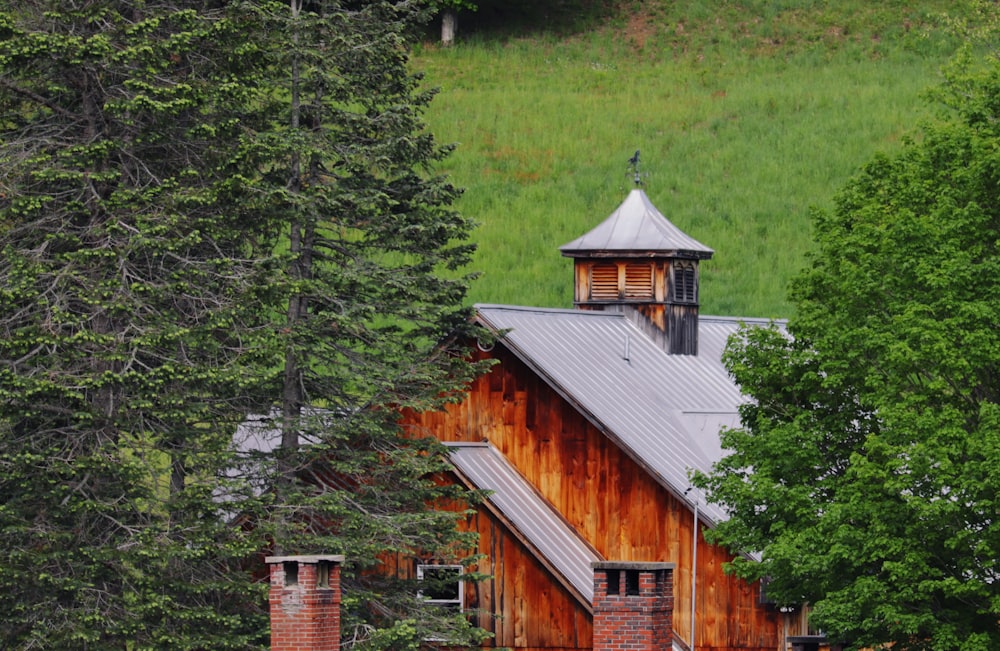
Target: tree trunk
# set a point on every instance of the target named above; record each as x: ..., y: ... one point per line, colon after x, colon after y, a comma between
x: 449, y: 25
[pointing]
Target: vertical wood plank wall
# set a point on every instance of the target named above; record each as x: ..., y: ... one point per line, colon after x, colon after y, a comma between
x: 623, y: 512
x: 537, y: 612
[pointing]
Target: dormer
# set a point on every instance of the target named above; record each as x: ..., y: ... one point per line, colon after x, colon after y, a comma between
x: 637, y: 262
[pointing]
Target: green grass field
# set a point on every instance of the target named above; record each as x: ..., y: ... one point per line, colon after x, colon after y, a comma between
x: 747, y: 115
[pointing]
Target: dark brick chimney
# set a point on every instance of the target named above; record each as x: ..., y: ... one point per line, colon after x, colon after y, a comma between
x: 305, y: 602
x: 633, y: 606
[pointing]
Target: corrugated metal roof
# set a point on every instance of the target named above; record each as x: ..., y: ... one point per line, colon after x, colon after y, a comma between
x: 664, y: 410
x: 636, y: 228
x: 555, y: 542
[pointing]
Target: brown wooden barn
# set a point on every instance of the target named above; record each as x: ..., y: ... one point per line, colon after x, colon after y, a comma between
x: 586, y: 430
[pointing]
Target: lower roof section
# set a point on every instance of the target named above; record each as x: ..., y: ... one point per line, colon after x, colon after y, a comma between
x: 530, y: 516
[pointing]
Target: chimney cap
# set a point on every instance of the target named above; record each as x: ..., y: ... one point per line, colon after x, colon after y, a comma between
x: 308, y: 559
x: 632, y: 565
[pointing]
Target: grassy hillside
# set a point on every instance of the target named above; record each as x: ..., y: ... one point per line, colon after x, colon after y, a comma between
x: 747, y: 115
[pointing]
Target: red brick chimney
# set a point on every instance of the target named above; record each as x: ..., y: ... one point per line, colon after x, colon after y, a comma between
x: 305, y: 602
x: 633, y: 606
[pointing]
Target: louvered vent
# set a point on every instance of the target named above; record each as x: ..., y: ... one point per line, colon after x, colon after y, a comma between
x: 638, y: 281
x: 684, y: 288
x: 604, y: 282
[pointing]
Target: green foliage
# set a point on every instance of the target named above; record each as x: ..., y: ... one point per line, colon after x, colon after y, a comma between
x: 375, y: 308
x: 456, y: 4
x: 125, y: 306
x: 187, y: 238
x: 866, y: 471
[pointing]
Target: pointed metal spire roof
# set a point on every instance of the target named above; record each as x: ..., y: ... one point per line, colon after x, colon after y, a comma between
x: 636, y: 229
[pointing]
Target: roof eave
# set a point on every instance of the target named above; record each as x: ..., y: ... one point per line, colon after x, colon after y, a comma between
x: 638, y: 253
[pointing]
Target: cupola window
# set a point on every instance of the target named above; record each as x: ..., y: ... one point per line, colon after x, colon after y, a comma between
x: 613, y: 281
x: 684, y: 282
x: 604, y: 281
x: 639, y: 281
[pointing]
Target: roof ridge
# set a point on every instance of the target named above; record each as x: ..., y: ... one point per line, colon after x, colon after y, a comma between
x: 716, y: 318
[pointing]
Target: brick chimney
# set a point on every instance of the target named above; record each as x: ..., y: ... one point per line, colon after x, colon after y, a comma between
x: 305, y: 602
x: 633, y: 606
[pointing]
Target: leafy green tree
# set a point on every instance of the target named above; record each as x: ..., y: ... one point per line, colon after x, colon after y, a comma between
x: 127, y: 327
x: 373, y: 309
x: 867, y: 470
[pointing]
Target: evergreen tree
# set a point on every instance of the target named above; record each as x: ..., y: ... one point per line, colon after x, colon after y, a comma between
x: 374, y: 310
x: 127, y: 327
x: 209, y: 209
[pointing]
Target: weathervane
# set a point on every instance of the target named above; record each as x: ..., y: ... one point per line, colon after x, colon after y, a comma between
x: 633, y: 164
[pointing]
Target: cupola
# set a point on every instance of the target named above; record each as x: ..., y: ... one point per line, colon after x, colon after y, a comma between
x: 637, y: 262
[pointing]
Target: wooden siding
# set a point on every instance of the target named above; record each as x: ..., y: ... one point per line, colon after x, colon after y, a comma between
x: 536, y: 612
x: 520, y: 605
x: 682, y: 329
x: 609, y: 498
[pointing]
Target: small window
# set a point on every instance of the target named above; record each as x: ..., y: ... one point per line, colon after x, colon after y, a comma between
x: 684, y: 282
x: 443, y: 585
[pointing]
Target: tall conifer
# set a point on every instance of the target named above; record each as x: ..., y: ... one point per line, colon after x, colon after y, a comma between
x: 126, y: 327
x: 374, y: 308
x: 207, y: 210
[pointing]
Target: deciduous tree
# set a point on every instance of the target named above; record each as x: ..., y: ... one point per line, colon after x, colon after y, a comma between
x: 867, y: 470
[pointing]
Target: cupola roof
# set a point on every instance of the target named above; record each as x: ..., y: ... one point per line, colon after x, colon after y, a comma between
x: 636, y: 229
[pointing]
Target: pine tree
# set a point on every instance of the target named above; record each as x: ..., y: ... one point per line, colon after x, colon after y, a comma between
x: 126, y: 327
x: 374, y: 311
x: 210, y: 209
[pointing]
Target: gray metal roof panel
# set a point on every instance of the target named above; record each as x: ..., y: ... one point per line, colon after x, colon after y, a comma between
x: 664, y: 410
x: 537, y: 520
x: 636, y: 227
